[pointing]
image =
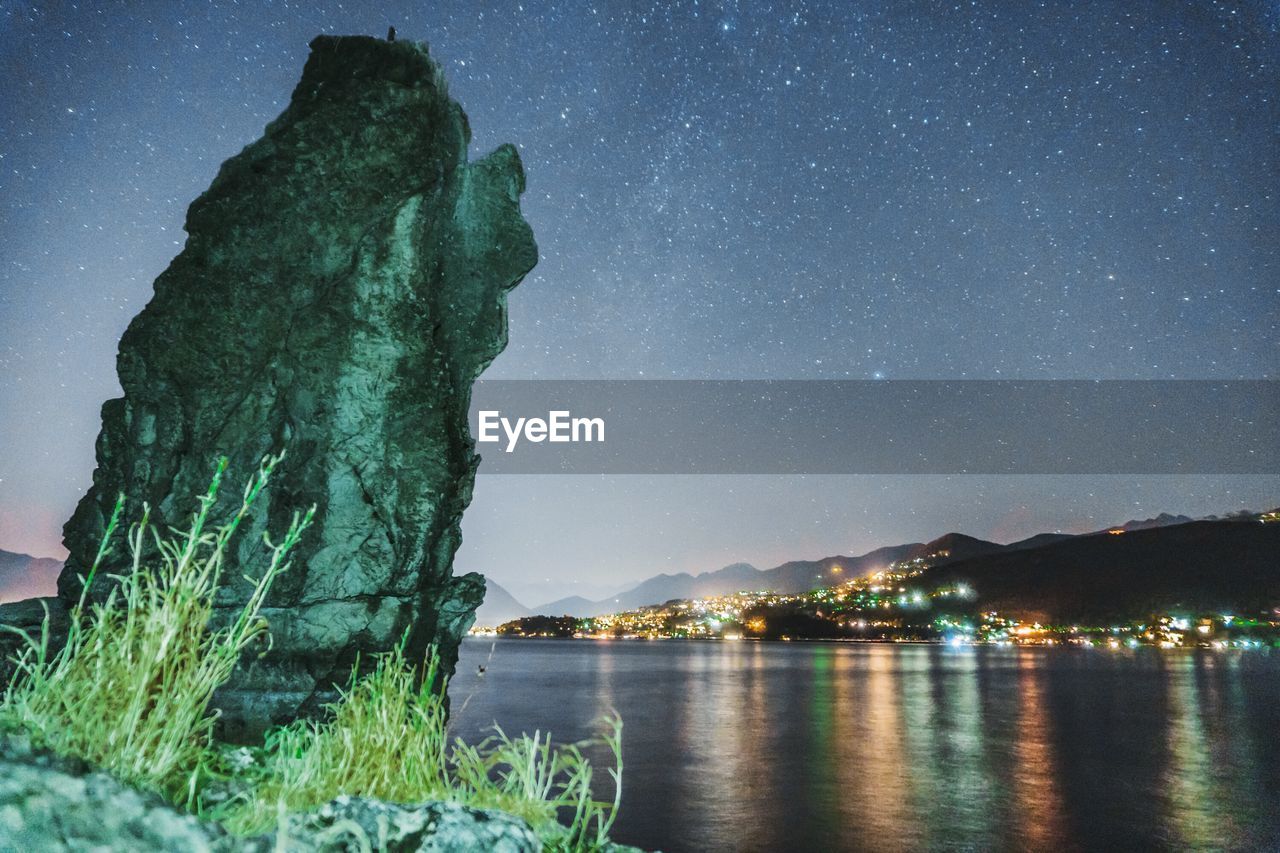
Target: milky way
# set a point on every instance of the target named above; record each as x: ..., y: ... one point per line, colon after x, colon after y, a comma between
x: 805, y: 190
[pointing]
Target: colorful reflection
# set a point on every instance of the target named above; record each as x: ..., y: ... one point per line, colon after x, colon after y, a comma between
x: 847, y: 747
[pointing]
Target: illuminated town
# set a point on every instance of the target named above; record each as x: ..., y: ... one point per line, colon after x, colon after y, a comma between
x: 891, y: 606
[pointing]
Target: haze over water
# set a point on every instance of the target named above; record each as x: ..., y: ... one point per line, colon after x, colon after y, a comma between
x: 741, y: 746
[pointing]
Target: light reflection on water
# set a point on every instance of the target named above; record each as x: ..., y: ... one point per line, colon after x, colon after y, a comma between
x: 742, y: 746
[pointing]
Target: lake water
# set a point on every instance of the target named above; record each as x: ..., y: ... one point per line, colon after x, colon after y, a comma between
x: 744, y: 746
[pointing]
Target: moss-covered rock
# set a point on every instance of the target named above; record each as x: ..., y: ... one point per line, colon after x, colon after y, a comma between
x: 342, y: 285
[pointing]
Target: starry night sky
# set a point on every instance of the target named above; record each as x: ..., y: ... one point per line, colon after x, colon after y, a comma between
x: 721, y: 190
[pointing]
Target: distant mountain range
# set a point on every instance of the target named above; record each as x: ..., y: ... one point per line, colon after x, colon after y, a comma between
x: 1025, y: 575
x: 791, y: 577
x: 24, y: 576
x: 794, y: 576
x: 800, y: 576
x: 1164, y: 519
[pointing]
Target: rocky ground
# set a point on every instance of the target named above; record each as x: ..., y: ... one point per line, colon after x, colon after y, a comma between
x: 48, y: 803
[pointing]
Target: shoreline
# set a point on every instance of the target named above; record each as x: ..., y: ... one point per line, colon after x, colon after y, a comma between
x: 883, y: 642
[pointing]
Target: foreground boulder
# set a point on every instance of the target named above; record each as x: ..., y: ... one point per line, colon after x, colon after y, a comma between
x: 54, y: 804
x: 434, y: 827
x: 343, y: 283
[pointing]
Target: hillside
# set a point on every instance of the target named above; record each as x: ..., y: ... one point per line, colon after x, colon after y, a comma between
x: 1038, y: 541
x: 1164, y: 519
x: 1156, y: 561
x: 499, y: 606
x: 23, y: 576
x: 1228, y: 566
x: 791, y: 577
x: 955, y: 546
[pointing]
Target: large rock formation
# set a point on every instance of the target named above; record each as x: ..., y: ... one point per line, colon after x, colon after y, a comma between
x: 343, y: 283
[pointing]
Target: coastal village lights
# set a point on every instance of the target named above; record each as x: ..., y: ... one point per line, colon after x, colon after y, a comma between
x: 743, y: 615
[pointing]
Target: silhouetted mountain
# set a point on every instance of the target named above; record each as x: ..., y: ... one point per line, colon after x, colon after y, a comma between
x: 499, y: 606
x: 549, y: 589
x: 684, y: 585
x: 792, y: 577
x: 1164, y: 519
x: 576, y: 605
x: 1199, y: 565
x: 1038, y: 541
x: 803, y: 575
x: 956, y: 546
x: 1131, y: 560
x: 23, y: 576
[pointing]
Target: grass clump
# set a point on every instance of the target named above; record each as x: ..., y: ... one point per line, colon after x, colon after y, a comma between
x: 387, y: 738
x: 130, y: 690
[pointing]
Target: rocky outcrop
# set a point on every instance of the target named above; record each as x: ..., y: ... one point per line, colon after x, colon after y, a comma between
x: 434, y: 827
x: 343, y: 283
x: 49, y: 803
x: 54, y: 804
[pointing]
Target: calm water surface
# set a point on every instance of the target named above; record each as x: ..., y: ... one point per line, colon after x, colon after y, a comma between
x: 743, y: 746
